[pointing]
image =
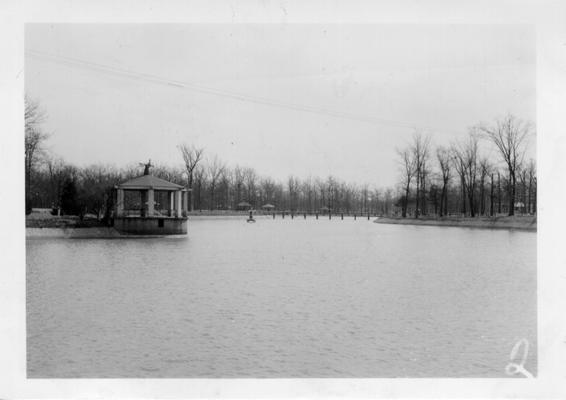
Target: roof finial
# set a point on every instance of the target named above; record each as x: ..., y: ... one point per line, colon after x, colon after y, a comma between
x: 146, y: 167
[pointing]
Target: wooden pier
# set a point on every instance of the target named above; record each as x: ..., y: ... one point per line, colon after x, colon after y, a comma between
x: 315, y: 215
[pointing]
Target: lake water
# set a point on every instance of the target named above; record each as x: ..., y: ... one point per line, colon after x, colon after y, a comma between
x: 280, y: 299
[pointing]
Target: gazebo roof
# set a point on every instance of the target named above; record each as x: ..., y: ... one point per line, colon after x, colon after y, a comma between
x: 244, y: 204
x: 268, y: 205
x: 149, y: 182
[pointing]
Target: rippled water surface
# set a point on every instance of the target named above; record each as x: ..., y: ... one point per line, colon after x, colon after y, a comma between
x: 282, y: 298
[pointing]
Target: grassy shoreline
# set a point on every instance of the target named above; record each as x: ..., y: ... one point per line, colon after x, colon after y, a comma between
x: 526, y: 223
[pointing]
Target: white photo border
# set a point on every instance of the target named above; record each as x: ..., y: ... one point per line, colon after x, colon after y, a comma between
x: 548, y: 19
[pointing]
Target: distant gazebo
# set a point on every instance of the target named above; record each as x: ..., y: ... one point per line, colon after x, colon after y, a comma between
x: 150, y: 205
x: 268, y: 207
x: 520, y: 206
x: 244, y: 206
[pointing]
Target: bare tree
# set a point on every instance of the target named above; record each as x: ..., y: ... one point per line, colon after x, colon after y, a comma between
x: 225, y: 183
x: 485, y: 170
x: 200, y: 184
x: 509, y: 135
x: 471, y: 153
x: 523, y: 174
x: 443, y: 157
x: 466, y: 154
x: 498, y: 192
x: 34, y: 139
x: 268, y: 187
x: 460, y: 167
x: 96, y: 183
x: 408, y: 170
x: 57, y: 173
x: 364, y: 193
x: 191, y: 157
x: 215, y: 169
x: 169, y: 174
x: 238, y: 183
x: 34, y: 116
x: 320, y: 192
x: 375, y: 199
x: 491, y: 195
x: 349, y: 194
x: 250, y: 180
x: 532, y: 171
x: 293, y: 185
x: 331, y: 187
x: 388, y: 200
x: 308, y: 192
x: 420, y: 149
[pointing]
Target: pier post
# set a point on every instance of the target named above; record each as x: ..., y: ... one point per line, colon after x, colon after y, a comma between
x: 283, y: 215
x: 273, y: 215
x: 342, y: 216
x: 329, y: 215
x: 316, y: 215
x: 292, y: 215
x: 368, y: 216
x: 305, y: 215
x: 354, y: 217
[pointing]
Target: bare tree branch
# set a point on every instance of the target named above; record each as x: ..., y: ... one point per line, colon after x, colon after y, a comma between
x: 509, y: 135
x: 191, y: 157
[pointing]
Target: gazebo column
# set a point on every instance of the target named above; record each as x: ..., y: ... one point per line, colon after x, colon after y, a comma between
x: 143, y: 203
x: 171, y: 203
x: 178, y: 203
x: 150, y: 202
x: 120, y: 202
x: 185, y: 202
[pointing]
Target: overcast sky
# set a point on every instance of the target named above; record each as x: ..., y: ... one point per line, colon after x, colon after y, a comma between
x: 284, y: 99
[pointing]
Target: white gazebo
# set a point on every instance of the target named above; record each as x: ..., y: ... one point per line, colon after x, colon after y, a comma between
x: 151, y: 205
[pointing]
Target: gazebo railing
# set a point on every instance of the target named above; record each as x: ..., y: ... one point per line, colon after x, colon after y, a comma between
x: 156, y: 213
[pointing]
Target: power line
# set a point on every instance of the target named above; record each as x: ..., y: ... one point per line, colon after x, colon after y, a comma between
x: 140, y: 76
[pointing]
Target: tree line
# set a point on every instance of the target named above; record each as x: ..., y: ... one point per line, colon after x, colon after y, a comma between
x: 449, y: 180
x: 460, y: 179
x: 53, y: 183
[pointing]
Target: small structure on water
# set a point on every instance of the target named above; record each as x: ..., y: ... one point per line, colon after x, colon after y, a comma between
x: 325, y: 210
x: 520, y: 207
x: 268, y: 207
x: 148, y: 205
x: 244, y: 206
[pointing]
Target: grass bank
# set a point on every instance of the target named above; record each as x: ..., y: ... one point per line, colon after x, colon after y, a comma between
x: 46, y: 220
x: 527, y: 223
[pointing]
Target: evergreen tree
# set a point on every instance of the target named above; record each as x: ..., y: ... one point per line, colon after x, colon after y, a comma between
x: 69, y: 198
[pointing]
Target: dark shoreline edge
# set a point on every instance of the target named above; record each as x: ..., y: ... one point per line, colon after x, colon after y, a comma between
x: 65, y: 228
x: 510, y: 223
